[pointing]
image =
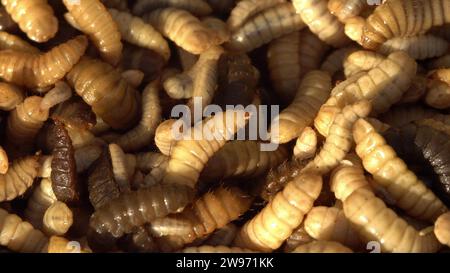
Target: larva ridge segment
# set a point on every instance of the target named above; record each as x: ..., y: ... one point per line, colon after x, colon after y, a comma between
x: 242, y: 159
x: 41, y: 198
x: 321, y: 22
x: 290, y: 57
x: 330, y: 224
x: 244, y: 10
x: 306, y: 144
x: 134, y: 209
x: 313, y: 91
x: 391, y: 172
x: 264, y: 27
x: 346, y: 178
x: 135, y: 31
x: 19, y: 235
x: 339, y: 140
x: 418, y: 47
x: 142, y: 135
x: 211, y: 211
x: 10, y: 41
x: 361, y: 60
x: 182, y: 28
x: 37, y: 71
x: 104, y: 89
x: 35, y: 18
x: 190, y: 155
x: 215, y: 249
x: 322, y: 247
x: 442, y: 229
x: 94, y: 19
x: 403, y: 18
x: 19, y: 178
x: 271, y: 226
x: 196, y: 7
x: 376, y: 222
x: 345, y: 9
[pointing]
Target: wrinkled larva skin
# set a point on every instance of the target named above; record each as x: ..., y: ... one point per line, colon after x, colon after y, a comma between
x: 322, y: 247
x: 10, y: 41
x: 391, y: 231
x: 361, y: 60
x: 312, y: 93
x: 290, y: 57
x: 35, y: 70
x: 264, y: 27
x: 320, y: 21
x: 94, y: 19
x: 241, y: 159
x: 391, y: 172
x: 134, y: 209
x: 418, y: 47
x: 196, y: 7
x: 183, y: 28
x: 442, y: 229
x: 275, y: 223
x: 35, y: 18
x: 403, y: 18
x: 245, y: 9
x: 19, y: 178
x: 212, y: 211
x: 20, y: 236
x: 104, y: 89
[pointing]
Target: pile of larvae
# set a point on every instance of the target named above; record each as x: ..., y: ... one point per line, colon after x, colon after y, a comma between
x: 90, y: 158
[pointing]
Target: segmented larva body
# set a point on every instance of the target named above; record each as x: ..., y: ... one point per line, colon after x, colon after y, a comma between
x: 339, y: 140
x: 321, y: 22
x: 211, y: 211
x: 183, y: 28
x: 164, y: 138
x: 4, y: 162
x: 242, y: 159
x: 135, y: 31
x: 41, y: 70
x: 134, y: 209
x: 391, y: 172
x: 402, y: 18
x: 265, y: 26
x: 142, y: 135
x: 34, y: 17
x: 394, y: 234
x: 354, y: 28
x: 442, y: 229
x: 9, y: 41
x: 196, y: 7
x: 419, y: 47
x: 58, y: 218
x: 290, y: 57
x: 215, y: 249
x: 347, y: 178
x: 345, y: 9
x: 401, y: 115
x: 330, y: 224
x: 438, y: 94
x: 312, y: 93
x: 102, y: 87
x: 322, y: 247
x: 270, y: 227
x: 333, y: 62
x: 123, y: 166
x: 189, y: 156
x: 41, y: 199
x: 219, y: 26
x: 20, y: 236
x: 245, y: 9
x: 223, y: 236
x: 10, y: 96
x: 361, y: 60
x: 94, y: 19
x: 306, y: 144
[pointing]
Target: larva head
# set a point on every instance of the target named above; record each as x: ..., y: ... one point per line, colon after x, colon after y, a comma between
x: 58, y: 218
x: 354, y: 28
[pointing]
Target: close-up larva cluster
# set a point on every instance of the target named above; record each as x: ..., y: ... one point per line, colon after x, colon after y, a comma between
x: 231, y: 126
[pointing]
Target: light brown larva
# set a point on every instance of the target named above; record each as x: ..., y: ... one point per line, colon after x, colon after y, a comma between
x: 58, y: 218
x: 20, y: 236
x: 10, y: 41
x: 196, y: 7
x: 94, y: 19
x: 418, y: 47
x: 442, y: 229
x: 41, y: 198
x: 245, y: 9
x: 345, y: 9
x: 35, y: 18
x: 438, y: 93
x: 164, y: 137
x: 10, y: 96
x: 306, y: 144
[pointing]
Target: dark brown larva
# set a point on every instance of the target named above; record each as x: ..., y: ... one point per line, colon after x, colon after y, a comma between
x: 63, y: 175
